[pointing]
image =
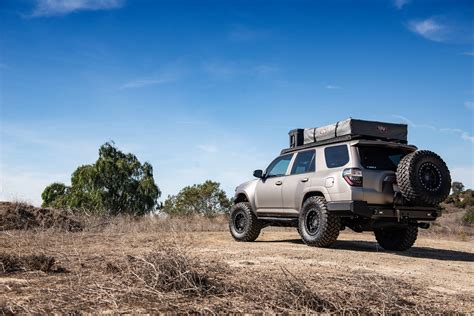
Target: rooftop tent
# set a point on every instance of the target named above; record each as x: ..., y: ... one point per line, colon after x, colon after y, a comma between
x: 351, y: 128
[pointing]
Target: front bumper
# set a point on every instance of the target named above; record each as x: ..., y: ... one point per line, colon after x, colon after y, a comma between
x: 400, y: 212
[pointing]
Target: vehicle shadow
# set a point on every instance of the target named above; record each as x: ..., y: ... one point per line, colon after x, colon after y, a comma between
x: 414, y: 252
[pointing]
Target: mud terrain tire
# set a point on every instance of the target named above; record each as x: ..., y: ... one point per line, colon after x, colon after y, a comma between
x: 423, y: 178
x: 318, y: 227
x: 397, y: 239
x: 243, y: 224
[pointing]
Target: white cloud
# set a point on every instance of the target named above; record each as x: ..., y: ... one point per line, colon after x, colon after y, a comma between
x: 230, y: 69
x: 469, y: 105
x: 141, y: 83
x: 332, y: 87
x: 63, y: 7
x: 463, y: 134
x: 429, y: 28
x: 412, y: 124
x: 208, y: 148
x: 400, y: 3
x: 166, y: 74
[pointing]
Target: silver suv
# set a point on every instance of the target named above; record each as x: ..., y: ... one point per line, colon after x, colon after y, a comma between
x: 363, y: 183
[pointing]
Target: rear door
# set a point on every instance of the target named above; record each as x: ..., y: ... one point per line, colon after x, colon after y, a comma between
x: 379, y: 165
x: 268, y: 190
x: 298, y: 180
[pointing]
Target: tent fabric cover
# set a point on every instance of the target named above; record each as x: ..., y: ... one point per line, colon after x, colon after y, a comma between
x: 353, y: 127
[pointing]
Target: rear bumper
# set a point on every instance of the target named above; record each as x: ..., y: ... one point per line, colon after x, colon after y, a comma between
x: 361, y: 208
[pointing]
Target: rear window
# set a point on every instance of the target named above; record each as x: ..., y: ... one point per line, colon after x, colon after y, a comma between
x: 336, y: 156
x: 380, y: 158
x: 304, y: 162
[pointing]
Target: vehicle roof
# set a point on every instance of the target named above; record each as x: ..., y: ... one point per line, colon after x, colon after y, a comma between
x: 352, y: 142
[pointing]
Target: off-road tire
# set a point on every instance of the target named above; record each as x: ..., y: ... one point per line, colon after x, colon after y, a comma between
x: 397, y: 239
x: 298, y: 230
x: 410, y: 178
x: 326, y: 231
x: 252, y: 226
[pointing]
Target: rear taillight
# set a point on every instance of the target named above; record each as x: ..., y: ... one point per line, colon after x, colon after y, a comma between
x: 353, y: 176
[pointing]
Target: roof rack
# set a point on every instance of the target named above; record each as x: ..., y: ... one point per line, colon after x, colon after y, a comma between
x: 341, y: 139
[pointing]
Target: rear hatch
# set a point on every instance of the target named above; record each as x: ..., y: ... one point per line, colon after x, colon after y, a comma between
x: 379, y: 164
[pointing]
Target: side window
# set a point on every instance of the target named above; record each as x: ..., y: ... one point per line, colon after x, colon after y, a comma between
x: 279, y: 166
x: 336, y: 156
x: 304, y: 162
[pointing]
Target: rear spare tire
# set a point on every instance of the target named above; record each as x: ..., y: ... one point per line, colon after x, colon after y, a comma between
x: 243, y: 224
x: 399, y: 239
x: 423, y: 178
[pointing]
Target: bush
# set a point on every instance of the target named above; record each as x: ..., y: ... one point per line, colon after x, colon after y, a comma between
x: 468, y: 218
x: 206, y: 199
x: 117, y: 183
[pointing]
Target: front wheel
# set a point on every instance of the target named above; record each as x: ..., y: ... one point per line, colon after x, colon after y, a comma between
x: 318, y: 227
x: 400, y: 239
x: 243, y: 224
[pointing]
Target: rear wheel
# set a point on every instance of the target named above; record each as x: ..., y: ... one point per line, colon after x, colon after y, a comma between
x: 400, y: 239
x: 243, y: 224
x: 317, y: 226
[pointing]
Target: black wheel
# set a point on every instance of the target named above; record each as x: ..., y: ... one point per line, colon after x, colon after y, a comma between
x: 397, y: 239
x: 243, y: 224
x: 317, y: 226
x: 423, y: 178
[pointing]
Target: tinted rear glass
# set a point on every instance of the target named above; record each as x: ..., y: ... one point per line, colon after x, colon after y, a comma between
x: 380, y: 158
x: 304, y: 162
x: 336, y: 156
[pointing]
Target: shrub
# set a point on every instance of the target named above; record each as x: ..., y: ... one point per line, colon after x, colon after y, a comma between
x: 117, y: 183
x: 206, y: 199
x: 468, y: 217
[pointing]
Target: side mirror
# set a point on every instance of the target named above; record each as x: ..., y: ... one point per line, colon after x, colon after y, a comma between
x: 258, y: 174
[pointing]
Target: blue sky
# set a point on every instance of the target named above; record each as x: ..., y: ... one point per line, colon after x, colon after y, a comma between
x: 209, y: 89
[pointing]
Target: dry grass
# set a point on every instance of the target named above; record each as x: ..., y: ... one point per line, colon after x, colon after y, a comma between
x: 451, y: 225
x: 152, y: 264
x: 10, y: 263
x: 171, y: 277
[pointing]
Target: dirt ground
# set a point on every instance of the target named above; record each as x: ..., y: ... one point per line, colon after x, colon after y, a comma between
x: 440, y: 271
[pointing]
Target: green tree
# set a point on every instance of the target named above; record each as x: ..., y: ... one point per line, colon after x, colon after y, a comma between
x: 117, y: 183
x: 457, y: 187
x: 206, y: 199
x: 54, y: 195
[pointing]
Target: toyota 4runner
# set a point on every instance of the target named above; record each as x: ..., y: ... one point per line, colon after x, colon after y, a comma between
x: 358, y: 178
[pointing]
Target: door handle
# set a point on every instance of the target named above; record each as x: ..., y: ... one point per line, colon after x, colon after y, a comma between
x: 278, y: 183
x: 304, y: 180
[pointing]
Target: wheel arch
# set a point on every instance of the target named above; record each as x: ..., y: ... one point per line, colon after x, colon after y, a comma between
x: 240, y: 197
x: 311, y: 193
x: 244, y: 196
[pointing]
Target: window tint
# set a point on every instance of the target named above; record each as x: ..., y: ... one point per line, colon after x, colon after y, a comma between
x: 336, y: 156
x: 279, y: 166
x: 380, y: 158
x: 304, y: 162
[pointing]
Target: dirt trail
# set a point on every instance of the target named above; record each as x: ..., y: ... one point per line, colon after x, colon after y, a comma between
x: 445, y: 266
